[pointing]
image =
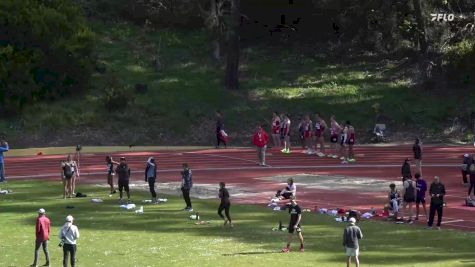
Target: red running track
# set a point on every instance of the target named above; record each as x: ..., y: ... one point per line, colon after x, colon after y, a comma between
x: 238, y: 167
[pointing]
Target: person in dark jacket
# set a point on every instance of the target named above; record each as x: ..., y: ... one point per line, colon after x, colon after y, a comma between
x: 225, y: 204
x: 467, y: 160
x: 3, y: 148
x: 123, y: 172
x: 151, y: 177
x: 417, y: 149
x: 437, y: 193
x: 471, y: 171
x: 186, y: 185
x: 406, y: 170
x: 219, y: 127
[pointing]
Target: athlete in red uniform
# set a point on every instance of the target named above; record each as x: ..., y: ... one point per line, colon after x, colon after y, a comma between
x: 276, y: 130
x: 308, y: 134
x: 335, y: 130
x: 351, y: 141
x: 320, y: 126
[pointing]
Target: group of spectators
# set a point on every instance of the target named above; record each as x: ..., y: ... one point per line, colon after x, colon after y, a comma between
x: 414, y: 193
x: 68, y: 236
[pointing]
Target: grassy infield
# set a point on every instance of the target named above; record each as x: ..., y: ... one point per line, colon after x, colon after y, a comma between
x: 163, y: 235
x: 189, y: 89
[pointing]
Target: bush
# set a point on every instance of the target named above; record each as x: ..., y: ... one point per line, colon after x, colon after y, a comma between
x: 117, y: 97
x: 459, y: 61
x: 45, y: 51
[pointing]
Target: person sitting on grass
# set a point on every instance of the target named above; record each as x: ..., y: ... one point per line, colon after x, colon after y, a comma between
x: 394, y: 200
x: 289, y: 191
x: 225, y: 204
x: 294, y: 225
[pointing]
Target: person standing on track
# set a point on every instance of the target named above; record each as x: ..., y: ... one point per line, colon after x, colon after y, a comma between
x: 320, y: 126
x: 276, y: 130
x: 219, y: 130
x: 307, y: 126
x: 351, y: 142
x: 351, y: 235
x: 186, y: 185
x: 421, y: 187
x: 467, y: 161
x: 409, y: 197
x: 3, y: 148
x: 225, y: 204
x: 110, y: 173
x: 151, y: 177
x: 335, y: 130
x: 43, y: 229
x: 471, y: 171
x: 294, y: 225
x: 123, y: 171
x: 285, y: 133
x: 260, y: 140
x: 417, y: 149
x: 406, y: 170
x: 343, y: 144
x: 437, y: 193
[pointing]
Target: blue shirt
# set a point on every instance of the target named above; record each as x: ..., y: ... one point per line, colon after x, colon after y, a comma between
x: 421, y: 186
x: 3, y: 148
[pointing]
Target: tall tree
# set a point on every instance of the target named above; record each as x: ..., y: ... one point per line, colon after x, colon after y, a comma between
x: 231, y: 78
x: 421, y: 28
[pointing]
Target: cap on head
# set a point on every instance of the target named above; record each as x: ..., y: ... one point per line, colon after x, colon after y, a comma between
x: 41, y: 211
x: 352, y: 220
x: 69, y: 218
x: 466, y: 155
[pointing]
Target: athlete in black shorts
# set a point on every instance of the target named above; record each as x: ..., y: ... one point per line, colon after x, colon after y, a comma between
x: 294, y: 225
x: 123, y: 172
x: 225, y: 204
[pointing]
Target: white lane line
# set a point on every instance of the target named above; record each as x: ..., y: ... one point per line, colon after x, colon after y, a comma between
x: 453, y: 221
x: 462, y: 226
x: 362, y: 166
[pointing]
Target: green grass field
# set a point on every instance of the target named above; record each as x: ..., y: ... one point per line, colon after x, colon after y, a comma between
x: 164, y: 236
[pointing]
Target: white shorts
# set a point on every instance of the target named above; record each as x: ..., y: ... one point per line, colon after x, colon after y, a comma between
x: 353, y: 252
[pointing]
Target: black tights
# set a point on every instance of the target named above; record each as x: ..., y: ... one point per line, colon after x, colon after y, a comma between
x: 472, y: 185
x: 225, y: 207
x: 151, y: 185
x: 219, y: 140
x: 69, y: 249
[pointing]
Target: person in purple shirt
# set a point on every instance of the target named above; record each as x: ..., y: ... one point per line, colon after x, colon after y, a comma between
x: 421, y: 187
x: 3, y: 148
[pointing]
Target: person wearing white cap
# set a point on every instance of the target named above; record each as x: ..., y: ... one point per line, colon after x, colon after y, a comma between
x: 351, y: 235
x: 43, y: 229
x: 69, y: 235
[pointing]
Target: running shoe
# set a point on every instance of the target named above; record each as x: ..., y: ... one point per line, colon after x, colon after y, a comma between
x: 283, y: 150
x: 342, y: 158
x: 329, y: 155
x: 287, y: 151
x: 344, y: 162
x: 302, y: 249
x: 286, y: 250
x: 335, y: 156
